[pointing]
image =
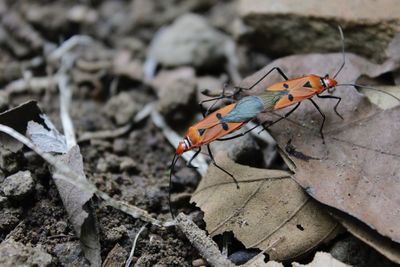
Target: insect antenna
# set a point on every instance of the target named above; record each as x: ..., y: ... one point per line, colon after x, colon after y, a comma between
x: 369, y: 88
x: 171, y: 170
x: 343, y: 52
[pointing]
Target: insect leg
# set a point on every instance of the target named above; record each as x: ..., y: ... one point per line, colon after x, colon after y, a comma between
x: 189, y: 164
x: 264, y: 76
x: 219, y: 167
x: 221, y: 96
x: 336, y: 105
x: 323, y: 119
x: 281, y: 118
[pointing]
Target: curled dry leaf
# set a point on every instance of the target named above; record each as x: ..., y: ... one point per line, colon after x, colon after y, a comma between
x: 18, y: 118
x: 357, y: 169
x: 269, y: 211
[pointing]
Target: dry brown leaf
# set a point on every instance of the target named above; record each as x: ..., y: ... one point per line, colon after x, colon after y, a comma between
x: 79, y: 207
x: 357, y: 170
x: 269, y: 211
x: 384, y: 245
x: 322, y: 259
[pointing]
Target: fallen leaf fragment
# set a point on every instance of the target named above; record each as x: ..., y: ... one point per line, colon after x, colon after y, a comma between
x: 269, y: 211
x: 17, y: 118
x: 49, y: 140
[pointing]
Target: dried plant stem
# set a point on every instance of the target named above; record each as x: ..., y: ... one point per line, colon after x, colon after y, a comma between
x: 204, y: 244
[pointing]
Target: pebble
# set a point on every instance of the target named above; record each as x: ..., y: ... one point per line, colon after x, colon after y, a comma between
x: 9, y: 161
x: 14, y: 253
x: 114, y: 234
x: 176, y: 90
x: 190, y: 40
x: 18, y: 186
x: 70, y: 254
x: 9, y: 218
x: 129, y: 165
x: 121, y: 108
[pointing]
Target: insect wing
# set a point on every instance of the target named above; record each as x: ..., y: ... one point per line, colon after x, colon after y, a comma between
x: 298, y: 90
x: 245, y: 109
x: 218, y: 131
x: 213, y: 118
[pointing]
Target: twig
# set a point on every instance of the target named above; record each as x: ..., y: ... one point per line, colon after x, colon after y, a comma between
x: 34, y: 84
x: 65, y: 102
x: 129, y: 261
x: 66, y: 46
x: 144, y: 113
x: 205, y: 245
x: 174, y: 139
x: 80, y: 182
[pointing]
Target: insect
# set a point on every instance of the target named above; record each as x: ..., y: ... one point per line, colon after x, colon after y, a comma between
x: 275, y: 97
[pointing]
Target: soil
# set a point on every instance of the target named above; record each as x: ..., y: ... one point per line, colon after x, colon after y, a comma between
x: 132, y: 167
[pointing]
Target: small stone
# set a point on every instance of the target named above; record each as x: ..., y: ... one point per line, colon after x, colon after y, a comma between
x: 9, y: 161
x: 3, y: 202
x: 61, y: 227
x: 122, y: 108
x: 176, y: 91
x: 110, y: 163
x: 9, y: 218
x: 14, y: 253
x: 70, y: 254
x: 191, y: 41
x: 120, y: 146
x: 115, y: 234
x: 18, y: 186
x: 128, y: 165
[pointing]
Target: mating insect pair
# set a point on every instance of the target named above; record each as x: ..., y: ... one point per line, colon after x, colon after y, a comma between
x: 290, y: 92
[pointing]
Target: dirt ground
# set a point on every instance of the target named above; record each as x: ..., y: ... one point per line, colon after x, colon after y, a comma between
x: 132, y: 167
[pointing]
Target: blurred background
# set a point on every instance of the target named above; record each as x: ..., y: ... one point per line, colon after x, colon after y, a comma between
x: 122, y: 61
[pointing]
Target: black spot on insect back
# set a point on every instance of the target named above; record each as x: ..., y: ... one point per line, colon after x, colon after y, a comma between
x: 285, y: 85
x: 290, y: 97
x: 201, y: 131
x: 307, y: 84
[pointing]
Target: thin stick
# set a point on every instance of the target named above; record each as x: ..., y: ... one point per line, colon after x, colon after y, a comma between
x: 65, y: 102
x: 129, y: 261
x: 144, y: 113
x: 205, y: 245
